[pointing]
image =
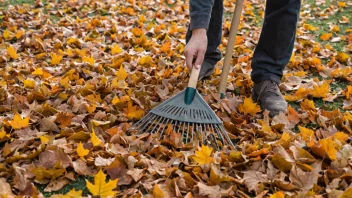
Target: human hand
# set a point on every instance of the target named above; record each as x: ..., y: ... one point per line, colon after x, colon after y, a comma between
x: 196, y: 47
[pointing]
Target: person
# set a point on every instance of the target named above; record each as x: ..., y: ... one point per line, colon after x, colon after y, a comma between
x: 271, y: 54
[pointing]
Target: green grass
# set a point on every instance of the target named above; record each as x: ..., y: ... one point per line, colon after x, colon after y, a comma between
x: 79, y: 184
x: 323, y: 25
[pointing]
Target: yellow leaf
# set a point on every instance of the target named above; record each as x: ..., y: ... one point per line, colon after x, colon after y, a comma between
x: 309, y: 27
x: 7, y: 35
x: 81, y: 151
x: 321, y: 91
x: 38, y: 71
x: 342, y: 4
x: 299, y: 94
x: 306, y: 134
x: 335, y: 28
x: 132, y: 112
x: 18, y: 122
x: 19, y: 33
x: 326, y: 36
x: 12, y: 52
x: 44, y: 139
x: 142, y: 18
x: 29, y: 84
x: 55, y: 59
x: 342, y: 57
x: 341, y: 136
x: 3, y: 134
x: 279, y: 194
x: 73, y: 194
x: 308, y: 105
x: 203, y: 155
x: 347, y: 193
x: 157, y: 192
x: 249, y: 107
x: 101, y: 187
x: 88, y: 59
x: 95, y: 140
x: 121, y: 74
x: 165, y: 47
x: 65, y: 82
x: 145, y: 60
x: 328, y: 146
x: 116, y: 49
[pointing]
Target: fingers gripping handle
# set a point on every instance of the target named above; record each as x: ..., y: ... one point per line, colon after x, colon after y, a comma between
x: 192, y: 84
x: 229, y: 48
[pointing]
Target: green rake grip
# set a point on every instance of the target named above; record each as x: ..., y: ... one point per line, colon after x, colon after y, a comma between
x: 229, y: 48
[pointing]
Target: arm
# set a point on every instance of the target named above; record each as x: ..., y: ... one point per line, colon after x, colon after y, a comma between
x: 200, y: 13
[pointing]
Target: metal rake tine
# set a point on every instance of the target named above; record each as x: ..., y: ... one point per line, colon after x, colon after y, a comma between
x: 218, y: 131
x: 162, y: 131
x: 227, y: 137
x: 157, y: 121
x: 152, y: 118
x: 159, y: 125
x: 143, y: 121
x: 187, y: 132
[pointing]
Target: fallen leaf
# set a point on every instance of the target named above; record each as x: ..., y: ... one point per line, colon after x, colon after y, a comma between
x: 249, y: 107
x: 203, y: 155
x: 101, y: 187
x: 81, y: 151
x: 12, y: 52
x: 18, y: 122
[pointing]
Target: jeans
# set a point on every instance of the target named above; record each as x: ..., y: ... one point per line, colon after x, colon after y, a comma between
x: 276, y: 41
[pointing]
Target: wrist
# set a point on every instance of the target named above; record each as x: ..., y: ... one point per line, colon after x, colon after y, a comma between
x: 199, y: 31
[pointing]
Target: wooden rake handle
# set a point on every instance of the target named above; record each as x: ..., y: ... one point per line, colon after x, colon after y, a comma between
x: 229, y: 48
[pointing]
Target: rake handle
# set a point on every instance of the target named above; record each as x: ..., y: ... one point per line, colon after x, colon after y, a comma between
x: 192, y: 84
x: 229, y: 48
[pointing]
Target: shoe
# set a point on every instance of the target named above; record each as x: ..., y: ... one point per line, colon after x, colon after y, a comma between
x: 206, y: 70
x: 268, y: 94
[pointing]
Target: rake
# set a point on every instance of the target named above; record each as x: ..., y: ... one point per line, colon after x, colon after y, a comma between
x: 187, y: 113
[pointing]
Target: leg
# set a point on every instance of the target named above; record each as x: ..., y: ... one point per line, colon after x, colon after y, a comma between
x: 214, y: 33
x: 273, y: 52
x: 276, y: 41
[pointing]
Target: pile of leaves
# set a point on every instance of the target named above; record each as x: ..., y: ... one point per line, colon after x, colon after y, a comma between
x: 75, y: 76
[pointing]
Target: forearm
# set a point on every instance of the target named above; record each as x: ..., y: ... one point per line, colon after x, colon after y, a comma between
x: 200, y: 13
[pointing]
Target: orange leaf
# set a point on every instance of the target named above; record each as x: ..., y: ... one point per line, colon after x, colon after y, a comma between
x: 81, y: 151
x: 121, y: 74
x: 321, y: 91
x: 157, y: 192
x: 326, y: 36
x: 166, y: 47
x: 342, y: 57
x: 328, y: 146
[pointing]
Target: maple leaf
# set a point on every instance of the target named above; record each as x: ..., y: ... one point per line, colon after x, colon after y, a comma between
x: 116, y: 49
x: 29, y: 84
x: 38, y: 71
x: 157, y: 192
x: 121, y: 74
x: 309, y: 27
x: 342, y: 57
x: 279, y: 194
x: 321, y: 91
x: 101, y: 187
x: 329, y: 147
x: 203, y: 155
x: 12, y: 52
x: 326, y: 36
x: 249, y: 107
x: 88, y: 59
x: 165, y: 47
x: 306, y: 134
x: 95, y: 140
x: 18, y: 122
x: 55, y: 59
x: 81, y: 151
x: 132, y: 112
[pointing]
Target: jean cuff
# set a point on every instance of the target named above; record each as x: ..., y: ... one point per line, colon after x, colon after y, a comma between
x: 266, y: 77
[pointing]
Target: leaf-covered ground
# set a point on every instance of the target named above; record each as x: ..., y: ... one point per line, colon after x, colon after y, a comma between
x: 75, y: 75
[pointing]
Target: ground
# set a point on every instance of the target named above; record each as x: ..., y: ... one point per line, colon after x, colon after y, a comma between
x: 75, y: 76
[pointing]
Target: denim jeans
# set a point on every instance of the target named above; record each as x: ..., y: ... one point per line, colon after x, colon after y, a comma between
x: 275, y: 44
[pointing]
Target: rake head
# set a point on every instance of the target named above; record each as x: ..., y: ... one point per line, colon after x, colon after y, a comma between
x: 194, y: 122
